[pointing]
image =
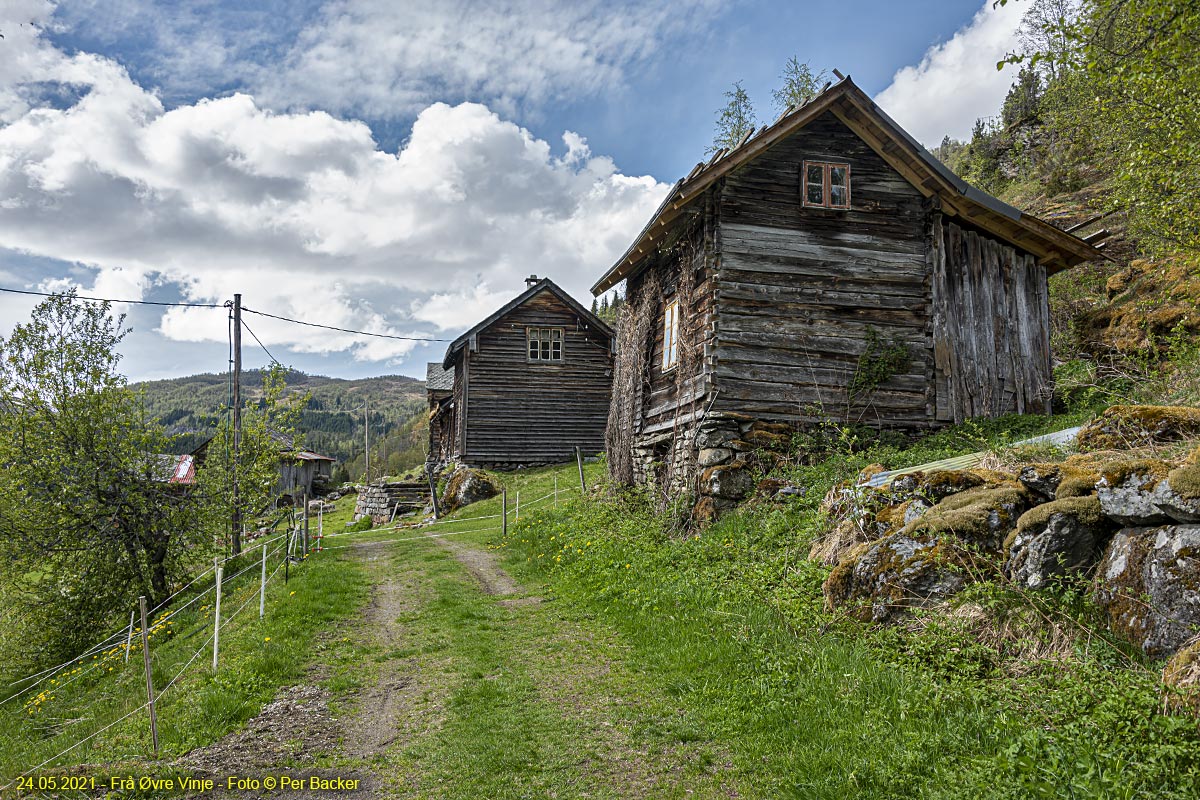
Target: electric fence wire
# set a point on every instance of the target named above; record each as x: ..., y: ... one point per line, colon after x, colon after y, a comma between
x: 115, y: 637
x: 202, y: 649
x: 410, y: 538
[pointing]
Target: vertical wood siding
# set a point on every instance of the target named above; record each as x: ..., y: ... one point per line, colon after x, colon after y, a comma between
x: 991, y: 326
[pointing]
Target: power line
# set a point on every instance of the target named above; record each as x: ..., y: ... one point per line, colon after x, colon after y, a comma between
x: 111, y: 300
x: 345, y: 330
x: 274, y: 360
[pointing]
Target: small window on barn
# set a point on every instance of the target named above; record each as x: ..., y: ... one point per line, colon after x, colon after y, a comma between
x: 670, y: 336
x: 545, y: 344
x: 825, y: 185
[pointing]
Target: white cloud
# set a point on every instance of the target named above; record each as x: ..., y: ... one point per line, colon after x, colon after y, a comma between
x: 300, y: 212
x: 388, y: 58
x: 957, y: 81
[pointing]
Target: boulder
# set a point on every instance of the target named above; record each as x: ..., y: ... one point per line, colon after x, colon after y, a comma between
x: 1181, y: 677
x: 711, y: 456
x: 768, y: 440
x: 1057, y: 539
x: 831, y: 548
x: 982, y: 516
x: 732, y: 482
x: 879, y: 579
x: 937, y: 485
x: 1178, y: 496
x: 465, y: 486
x: 1148, y: 585
x: 1126, y: 492
x: 1120, y: 427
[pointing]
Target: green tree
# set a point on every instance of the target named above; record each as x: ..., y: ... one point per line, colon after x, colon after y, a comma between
x: 269, y: 433
x: 800, y: 84
x: 734, y: 120
x: 88, y: 520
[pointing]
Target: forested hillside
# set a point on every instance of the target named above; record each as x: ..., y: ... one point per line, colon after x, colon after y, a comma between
x: 331, y: 422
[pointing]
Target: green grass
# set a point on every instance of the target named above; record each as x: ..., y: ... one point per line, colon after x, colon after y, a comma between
x: 732, y: 624
x: 256, y: 657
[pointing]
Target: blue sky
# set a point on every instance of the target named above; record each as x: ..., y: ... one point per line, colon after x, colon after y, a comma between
x: 384, y: 165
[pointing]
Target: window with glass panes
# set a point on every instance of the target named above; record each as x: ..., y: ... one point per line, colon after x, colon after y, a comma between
x: 545, y: 344
x: 825, y: 185
x: 670, y: 355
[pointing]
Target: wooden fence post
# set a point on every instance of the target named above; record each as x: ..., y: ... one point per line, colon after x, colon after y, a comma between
x: 305, y: 549
x: 217, y: 617
x: 262, y: 586
x: 129, y: 638
x: 556, y: 491
x: 517, y: 514
x: 437, y: 511
x: 149, y: 675
x: 504, y: 513
x: 579, y: 461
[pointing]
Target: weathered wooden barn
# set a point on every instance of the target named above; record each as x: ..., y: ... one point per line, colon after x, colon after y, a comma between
x: 301, y: 471
x: 531, y: 382
x: 825, y: 267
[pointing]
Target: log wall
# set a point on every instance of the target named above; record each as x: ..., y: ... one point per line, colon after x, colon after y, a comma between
x: 512, y: 412
x: 797, y: 289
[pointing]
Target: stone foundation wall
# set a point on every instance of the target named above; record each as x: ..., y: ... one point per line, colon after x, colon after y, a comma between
x: 714, y: 460
x: 383, y: 501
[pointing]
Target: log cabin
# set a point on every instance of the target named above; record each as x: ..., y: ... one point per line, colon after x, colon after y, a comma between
x: 826, y: 267
x: 530, y: 383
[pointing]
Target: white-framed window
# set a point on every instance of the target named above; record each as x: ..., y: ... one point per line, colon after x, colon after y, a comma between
x: 670, y: 356
x: 545, y: 344
x: 825, y: 185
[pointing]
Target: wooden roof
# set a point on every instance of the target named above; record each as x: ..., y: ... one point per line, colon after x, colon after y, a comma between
x: 545, y: 284
x: 1054, y: 248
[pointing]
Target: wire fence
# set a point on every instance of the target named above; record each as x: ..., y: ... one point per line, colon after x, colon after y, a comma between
x: 258, y: 557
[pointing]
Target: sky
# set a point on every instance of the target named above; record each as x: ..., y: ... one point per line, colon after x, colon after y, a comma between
x: 397, y: 166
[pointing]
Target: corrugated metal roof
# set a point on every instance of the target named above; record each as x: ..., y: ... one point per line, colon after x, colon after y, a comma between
x: 438, y: 379
x: 173, y: 469
x: 971, y: 460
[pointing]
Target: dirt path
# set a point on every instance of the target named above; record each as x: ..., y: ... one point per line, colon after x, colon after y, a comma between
x: 297, y: 731
x: 454, y: 682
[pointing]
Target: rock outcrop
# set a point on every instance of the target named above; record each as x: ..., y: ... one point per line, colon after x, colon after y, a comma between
x: 1120, y: 427
x: 1148, y: 584
x: 1063, y: 538
x: 465, y: 486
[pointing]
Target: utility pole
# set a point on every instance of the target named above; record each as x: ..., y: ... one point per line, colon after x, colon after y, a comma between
x: 367, y: 440
x: 237, y: 420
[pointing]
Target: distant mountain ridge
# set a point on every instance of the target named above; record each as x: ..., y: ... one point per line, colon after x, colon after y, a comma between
x: 332, y: 423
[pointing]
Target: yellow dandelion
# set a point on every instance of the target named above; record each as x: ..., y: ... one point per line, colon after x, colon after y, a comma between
x: 266, y: 638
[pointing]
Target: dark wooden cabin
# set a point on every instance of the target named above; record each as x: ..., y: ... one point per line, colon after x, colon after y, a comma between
x: 820, y: 248
x: 531, y: 383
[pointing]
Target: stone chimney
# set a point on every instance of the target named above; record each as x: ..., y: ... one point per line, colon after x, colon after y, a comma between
x: 531, y: 280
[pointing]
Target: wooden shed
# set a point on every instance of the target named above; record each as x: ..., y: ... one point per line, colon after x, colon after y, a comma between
x: 439, y: 391
x: 826, y: 267
x: 531, y: 382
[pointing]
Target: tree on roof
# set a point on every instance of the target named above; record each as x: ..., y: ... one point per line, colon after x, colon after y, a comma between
x: 800, y: 84
x: 734, y: 120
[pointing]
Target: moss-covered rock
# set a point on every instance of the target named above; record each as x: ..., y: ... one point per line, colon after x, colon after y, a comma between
x: 1126, y: 491
x: 876, y: 580
x: 465, y: 486
x: 1178, y: 495
x: 982, y: 516
x: 768, y: 440
x: 1057, y: 539
x: 1181, y: 678
x: 731, y: 481
x: 1121, y: 427
x: 831, y: 548
x: 1148, y: 585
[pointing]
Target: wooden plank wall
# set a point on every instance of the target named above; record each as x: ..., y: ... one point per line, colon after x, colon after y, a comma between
x: 520, y: 412
x: 991, y: 326
x: 671, y: 396
x: 798, y: 288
